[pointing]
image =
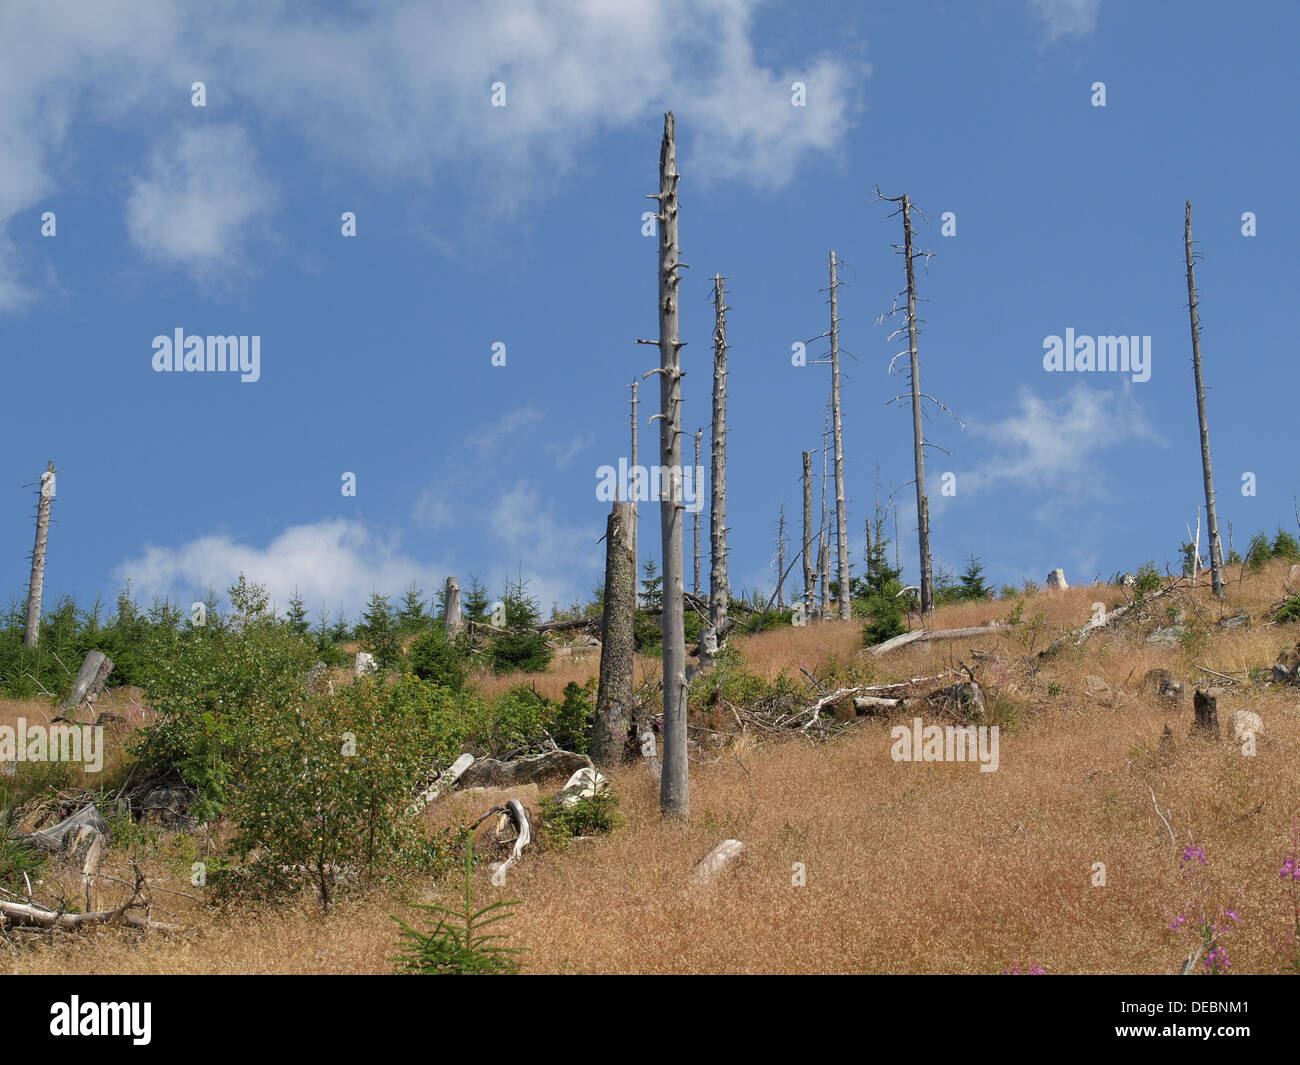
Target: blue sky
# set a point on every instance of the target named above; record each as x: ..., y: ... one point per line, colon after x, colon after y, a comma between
x: 522, y: 225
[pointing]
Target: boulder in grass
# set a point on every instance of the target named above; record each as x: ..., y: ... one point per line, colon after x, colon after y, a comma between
x: 1244, y: 722
x: 492, y: 773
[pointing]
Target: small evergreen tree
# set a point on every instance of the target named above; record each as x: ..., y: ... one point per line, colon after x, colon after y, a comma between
x: 412, y: 618
x: 652, y: 586
x: 296, y: 618
x: 522, y: 647
x: 877, y: 595
x: 378, y: 631
x: 973, y: 587
x: 475, y: 603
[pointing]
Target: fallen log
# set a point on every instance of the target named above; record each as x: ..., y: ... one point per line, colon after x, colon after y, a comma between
x: 1081, y: 634
x: 928, y: 635
x: 444, y: 781
x: 30, y: 915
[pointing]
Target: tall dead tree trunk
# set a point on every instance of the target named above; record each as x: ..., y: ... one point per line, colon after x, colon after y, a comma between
x: 674, y: 793
x: 32, y: 628
x: 718, y: 590
x: 807, y: 536
x: 695, y: 521
x: 780, y: 560
x: 636, y: 494
x: 614, y: 700
x: 823, y: 533
x: 841, y: 514
x: 1211, y: 516
x: 454, y: 621
x: 918, y: 439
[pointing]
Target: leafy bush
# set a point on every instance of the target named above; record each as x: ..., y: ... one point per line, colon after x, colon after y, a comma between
x: 1147, y: 579
x: 592, y: 815
x: 16, y: 857
x: 1289, y: 610
x: 457, y: 945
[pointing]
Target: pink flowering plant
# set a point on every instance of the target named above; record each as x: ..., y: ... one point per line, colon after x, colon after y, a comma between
x: 1202, y: 921
x: 1290, y: 876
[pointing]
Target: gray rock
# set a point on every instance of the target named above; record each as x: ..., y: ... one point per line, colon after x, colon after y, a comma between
x: 492, y: 773
x: 1237, y: 621
x: 167, y: 805
x: 1244, y: 721
x: 1167, y: 636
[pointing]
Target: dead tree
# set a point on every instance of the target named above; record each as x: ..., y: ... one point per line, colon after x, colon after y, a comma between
x: 807, y: 536
x: 841, y: 515
x: 454, y: 621
x: 614, y: 700
x: 636, y: 491
x: 674, y: 793
x: 695, y: 521
x: 719, y: 623
x: 780, y: 559
x: 823, y: 533
x: 918, y: 439
x: 32, y: 629
x: 1211, y: 517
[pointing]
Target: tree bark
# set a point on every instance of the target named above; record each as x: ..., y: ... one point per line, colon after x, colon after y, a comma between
x: 454, y: 620
x: 1207, y: 470
x: 94, y: 671
x: 614, y: 704
x: 674, y: 794
x: 823, y: 539
x: 32, y: 628
x: 841, y: 515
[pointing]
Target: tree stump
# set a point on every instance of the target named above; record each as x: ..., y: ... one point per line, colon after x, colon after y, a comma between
x: 94, y: 671
x: 1206, y: 706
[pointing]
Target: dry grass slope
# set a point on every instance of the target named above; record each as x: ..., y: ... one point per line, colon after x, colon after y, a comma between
x: 910, y: 867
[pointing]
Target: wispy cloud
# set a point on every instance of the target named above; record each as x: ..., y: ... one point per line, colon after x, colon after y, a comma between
x: 198, y: 203
x: 1064, y: 17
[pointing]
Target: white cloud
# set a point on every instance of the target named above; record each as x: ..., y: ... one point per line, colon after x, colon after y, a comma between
x: 401, y: 90
x: 199, y: 201
x: 1053, y: 448
x: 330, y: 562
x: 1064, y: 17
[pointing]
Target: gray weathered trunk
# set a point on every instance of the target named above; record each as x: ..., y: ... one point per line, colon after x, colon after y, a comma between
x: 32, y: 628
x: 1207, y: 470
x: 636, y: 511
x: 841, y: 513
x: 674, y: 793
x: 94, y: 671
x: 918, y: 439
x: 823, y: 532
x: 695, y: 523
x: 780, y: 559
x: 454, y: 621
x: 614, y: 700
x: 718, y: 592
x: 807, y: 536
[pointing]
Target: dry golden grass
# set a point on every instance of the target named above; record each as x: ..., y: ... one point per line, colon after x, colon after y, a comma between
x: 910, y: 867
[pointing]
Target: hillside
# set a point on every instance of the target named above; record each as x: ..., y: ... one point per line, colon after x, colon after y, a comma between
x: 910, y: 867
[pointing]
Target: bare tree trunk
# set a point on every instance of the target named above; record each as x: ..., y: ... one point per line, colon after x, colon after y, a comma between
x: 1211, y: 517
x: 454, y: 621
x: 695, y: 520
x: 780, y: 559
x: 636, y: 511
x: 32, y: 629
x: 807, y: 535
x: 823, y: 533
x: 841, y: 514
x: 614, y: 700
x: 674, y: 793
x: 718, y: 590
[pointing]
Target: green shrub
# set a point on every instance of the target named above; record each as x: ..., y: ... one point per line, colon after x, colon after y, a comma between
x: 593, y: 815
x: 1289, y: 610
x: 435, y: 657
x: 1147, y: 579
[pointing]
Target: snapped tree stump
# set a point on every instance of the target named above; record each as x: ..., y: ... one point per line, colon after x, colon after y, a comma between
x: 1205, y: 703
x: 94, y: 671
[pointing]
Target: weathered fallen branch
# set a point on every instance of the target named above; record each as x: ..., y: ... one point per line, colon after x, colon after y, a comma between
x: 1081, y: 634
x: 928, y: 635
x: 39, y: 917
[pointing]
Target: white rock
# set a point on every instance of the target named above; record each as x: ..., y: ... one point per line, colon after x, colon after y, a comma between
x: 586, y: 783
x: 717, y: 860
x: 1056, y: 579
x: 1244, y: 721
x: 365, y: 663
